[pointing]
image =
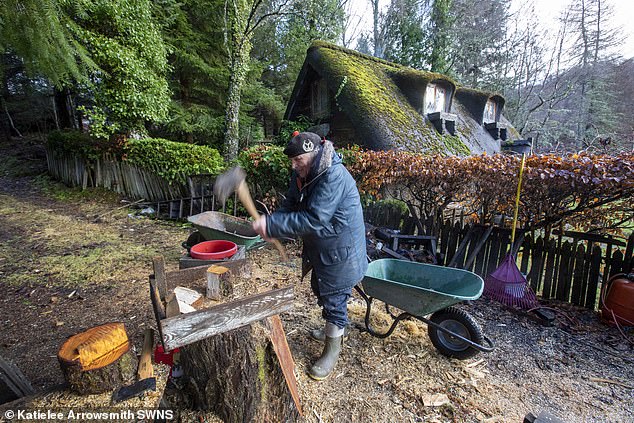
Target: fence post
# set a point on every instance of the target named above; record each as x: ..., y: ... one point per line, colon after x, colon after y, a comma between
x: 628, y: 260
x: 578, y: 282
x: 537, y: 266
x: 551, y: 270
x: 563, y: 281
x: 593, y: 277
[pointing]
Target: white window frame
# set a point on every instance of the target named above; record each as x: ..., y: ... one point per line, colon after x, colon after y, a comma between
x: 490, y: 113
x: 435, y: 98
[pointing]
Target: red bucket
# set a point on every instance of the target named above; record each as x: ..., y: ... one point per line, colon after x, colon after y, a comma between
x: 213, y: 250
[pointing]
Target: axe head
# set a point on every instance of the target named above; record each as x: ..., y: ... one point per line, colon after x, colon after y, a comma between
x: 227, y: 182
x: 134, y: 390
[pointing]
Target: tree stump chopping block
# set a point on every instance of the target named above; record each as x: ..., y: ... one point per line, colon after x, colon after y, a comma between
x: 237, y: 375
x: 97, y: 360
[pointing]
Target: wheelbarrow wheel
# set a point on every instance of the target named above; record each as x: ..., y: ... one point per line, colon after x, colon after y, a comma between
x: 459, y: 322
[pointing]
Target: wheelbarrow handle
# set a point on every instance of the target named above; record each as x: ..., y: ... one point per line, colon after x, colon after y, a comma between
x: 368, y: 327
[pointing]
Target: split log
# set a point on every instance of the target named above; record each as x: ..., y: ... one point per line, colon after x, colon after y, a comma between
x: 97, y: 360
x: 217, y: 277
x: 237, y: 375
x: 192, y: 327
x: 188, y: 296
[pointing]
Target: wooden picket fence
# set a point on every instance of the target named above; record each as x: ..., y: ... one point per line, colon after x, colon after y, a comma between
x: 568, y: 267
x: 170, y: 201
x: 117, y: 176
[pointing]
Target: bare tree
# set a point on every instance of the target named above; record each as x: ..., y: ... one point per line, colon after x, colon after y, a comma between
x: 592, y: 42
x: 534, y: 81
x: 352, y: 25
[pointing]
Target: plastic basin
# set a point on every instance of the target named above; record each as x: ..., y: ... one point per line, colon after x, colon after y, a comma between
x: 217, y: 249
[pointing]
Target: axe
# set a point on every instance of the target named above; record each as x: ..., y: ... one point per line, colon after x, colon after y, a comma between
x: 232, y: 180
x: 145, y: 373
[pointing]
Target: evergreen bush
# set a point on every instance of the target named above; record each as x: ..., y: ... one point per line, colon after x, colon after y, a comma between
x: 171, y: 160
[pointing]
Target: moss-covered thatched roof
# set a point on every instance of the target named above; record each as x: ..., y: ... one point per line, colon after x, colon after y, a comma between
x: 384, y: 102
x: 475, y: 101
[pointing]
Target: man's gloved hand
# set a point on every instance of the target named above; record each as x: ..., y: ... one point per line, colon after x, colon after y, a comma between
x: 259, y: 226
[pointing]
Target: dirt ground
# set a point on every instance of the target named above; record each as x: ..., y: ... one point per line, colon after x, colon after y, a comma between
x: 71, y: 260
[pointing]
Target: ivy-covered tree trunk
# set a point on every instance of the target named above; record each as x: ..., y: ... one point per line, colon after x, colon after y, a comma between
x: 241, y: 34
x: 239, y: 69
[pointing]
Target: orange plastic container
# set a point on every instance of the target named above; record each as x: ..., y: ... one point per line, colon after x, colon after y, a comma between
x: 619, y: 299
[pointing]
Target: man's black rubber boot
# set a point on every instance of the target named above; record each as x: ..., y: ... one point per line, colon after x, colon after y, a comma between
x: 320, y: 335
x: 326, y: 363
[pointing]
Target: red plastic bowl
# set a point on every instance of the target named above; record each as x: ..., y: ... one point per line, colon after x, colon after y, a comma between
x: 217, y: 249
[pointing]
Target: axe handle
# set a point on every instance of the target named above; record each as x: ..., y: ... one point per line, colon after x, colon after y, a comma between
x: 145, y: 361
x: 247, y: 201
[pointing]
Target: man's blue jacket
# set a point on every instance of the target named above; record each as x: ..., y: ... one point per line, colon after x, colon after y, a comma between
x: 326, y: 212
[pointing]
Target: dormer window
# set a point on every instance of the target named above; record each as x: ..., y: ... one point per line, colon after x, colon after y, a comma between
x: 437, y: 101
x: 490, y: 112
x: 319, y: 99
x: 490, y: 120
x: 435, y: 97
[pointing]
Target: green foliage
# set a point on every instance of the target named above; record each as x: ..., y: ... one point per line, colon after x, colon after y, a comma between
x: 110, y: 49
x: 268, y: 172
x: 199, y: 70
x: 440, y: 23
x: 41, y: 32
x: 195, y: 123
x: 122, y: 38
x: 75, y: 143
x: 289, y: 126
x: 351, y: 155
x: 173, y: 161
x: 295, y: 31
x: 405, y: 37
x: 262, y: 109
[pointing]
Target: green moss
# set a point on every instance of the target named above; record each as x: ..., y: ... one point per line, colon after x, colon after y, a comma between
x: 372, y: 96
x: 512, y: 132
x: 424, y: 76
x: 260, y: 353
x: 382, y: 99
x: 454, y: 144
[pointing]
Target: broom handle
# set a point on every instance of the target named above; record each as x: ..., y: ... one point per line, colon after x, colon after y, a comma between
x: 517, y: 200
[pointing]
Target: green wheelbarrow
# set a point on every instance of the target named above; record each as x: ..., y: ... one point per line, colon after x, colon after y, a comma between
x: 421, y: 289
x: 216, y: 225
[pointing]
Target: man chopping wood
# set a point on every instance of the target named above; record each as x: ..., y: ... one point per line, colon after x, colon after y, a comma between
x: 323, y: 207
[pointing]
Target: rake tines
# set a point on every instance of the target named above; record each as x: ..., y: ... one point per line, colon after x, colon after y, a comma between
x: 508, y: 286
